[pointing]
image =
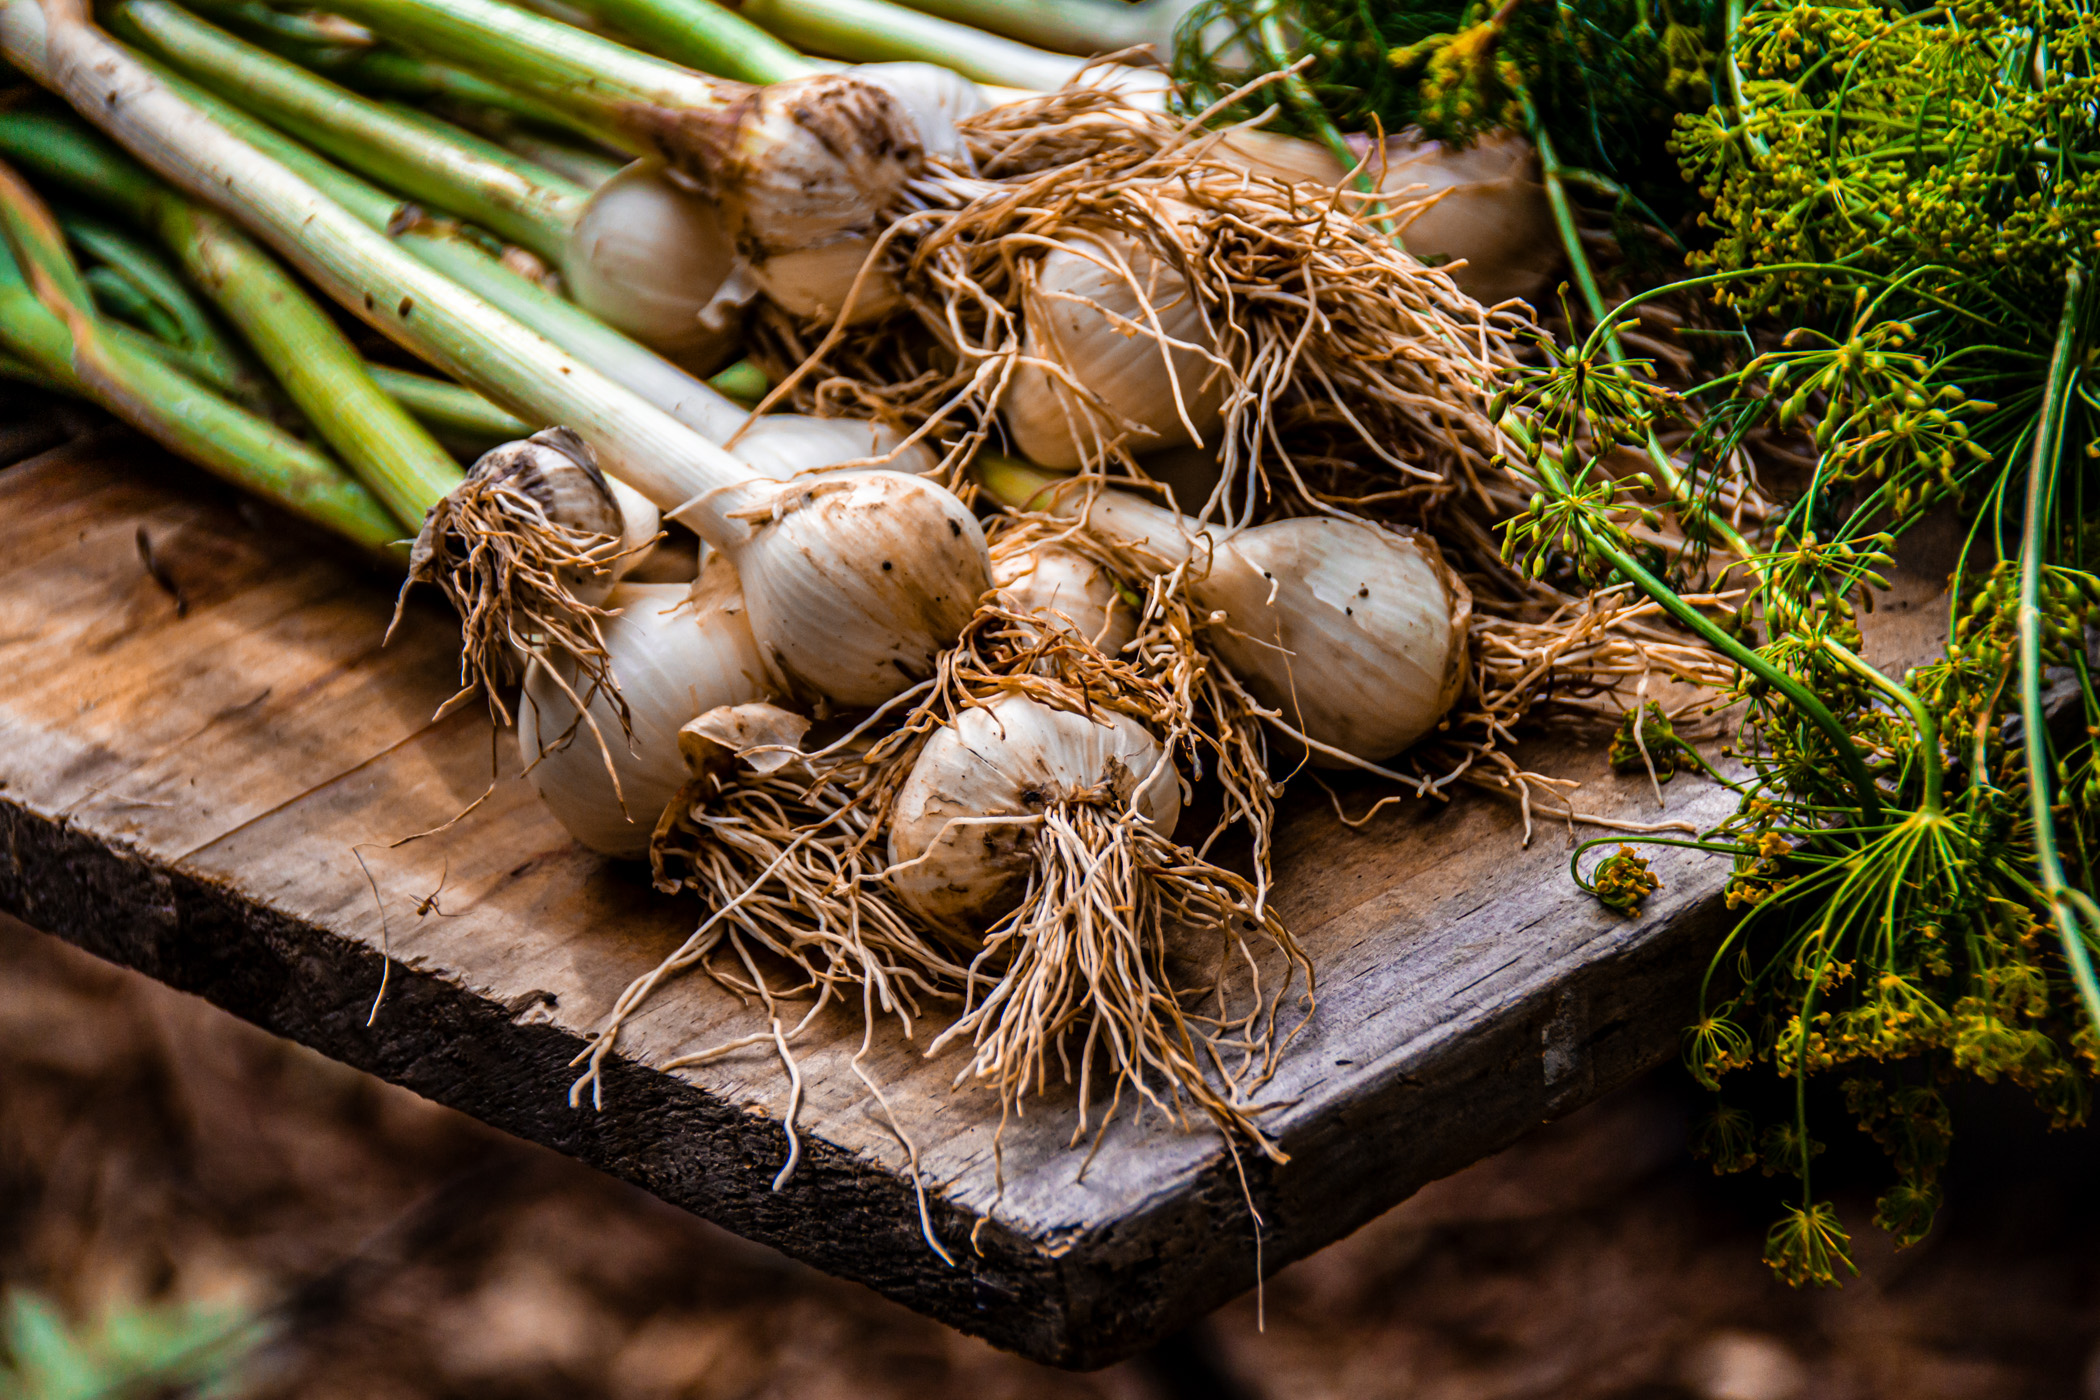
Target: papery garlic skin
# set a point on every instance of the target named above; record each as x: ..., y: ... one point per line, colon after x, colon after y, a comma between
x: 556, y: 470
x: 1011, y: 757
x: 1067, y: 590
x: 1104, y: 308
x: 649, y: 256
x: 787, y: 445
x: 1364, y: 653
x: 1495, y: 216
x: 1355, y: 634
x: 858, y: 580
x: 677, y: 652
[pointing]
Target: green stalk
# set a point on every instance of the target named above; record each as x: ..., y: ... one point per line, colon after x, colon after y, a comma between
x: 1803, y: 699
x: 876, y: 31
x: 2034, y: 530
x: 116, y: 295
x: 357, y: 63
x: 454, y: 413
x: 585, y: 166
x: 642, y: 99
x: 66, y: 347
x: 706, y: 36
x: 743, y: 381
x: 300, y: 343
x: 445, y: 250
x: 218, y: 359
x: 1070, y: 26
x: 1920, y: 715
x: 418, y: 156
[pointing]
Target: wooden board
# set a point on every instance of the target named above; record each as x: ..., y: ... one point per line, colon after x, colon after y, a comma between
x: 188, y: 794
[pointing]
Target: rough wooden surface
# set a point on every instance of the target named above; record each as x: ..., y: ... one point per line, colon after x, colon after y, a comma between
x: 188, y: 793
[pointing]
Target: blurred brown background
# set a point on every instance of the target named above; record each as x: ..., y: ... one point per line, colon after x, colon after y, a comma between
x: 153, y: 1148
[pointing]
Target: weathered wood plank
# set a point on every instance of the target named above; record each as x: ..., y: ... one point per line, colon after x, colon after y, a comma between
x: 190, y: 795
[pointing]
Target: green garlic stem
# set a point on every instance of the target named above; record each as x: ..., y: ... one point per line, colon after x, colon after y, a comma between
x: 877, y: 31
x: 418, y: 156
x: 1070, y: 26
x: 300, y: 344
x: 454, y: 414
x: 186, y: 418
x: 630, y: 93
x: 707, y: 36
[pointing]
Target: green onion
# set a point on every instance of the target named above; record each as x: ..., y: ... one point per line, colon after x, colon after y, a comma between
x: 61, y: 342
x: 318, y: 367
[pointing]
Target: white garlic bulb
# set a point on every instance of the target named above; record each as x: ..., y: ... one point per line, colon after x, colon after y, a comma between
x: 1354, y: 634
x: 1067, y: 590
x: 1123, y: 324
x: 556, y: 471
x: 953, y: 859
x: 649, y: 256
x: 1492, y: 216
x: 677, y: 652
x: 856, y: 580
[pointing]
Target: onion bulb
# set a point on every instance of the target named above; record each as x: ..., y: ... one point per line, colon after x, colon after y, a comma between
x: 1354, y: 634
x: 964, y: 828
x: 1067, y: 591
x: 676, y: 652
x: 1104, y: 313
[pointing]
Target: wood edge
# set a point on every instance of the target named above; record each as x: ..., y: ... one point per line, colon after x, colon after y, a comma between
x: 454, y: 1047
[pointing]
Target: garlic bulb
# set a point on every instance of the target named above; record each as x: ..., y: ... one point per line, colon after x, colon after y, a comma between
x: 1354, y: 634
x: 1123, y: 324
x: 953, y: 860
x: 784, y: 445
x: 809, y: 267
x: 1067, y: 590
x: 649, y: 256
x: 1491, y: 211
x: 677, y: 652
x: 555, y: 470
x: 855, y: 581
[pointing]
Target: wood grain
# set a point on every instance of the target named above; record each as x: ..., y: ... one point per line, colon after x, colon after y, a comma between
x: 189, y: 795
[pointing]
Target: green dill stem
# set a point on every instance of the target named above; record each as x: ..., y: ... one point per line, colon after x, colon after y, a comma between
x: 1921, y: 715
x: 506, y: 195
x: 706, y: 36
x: 185, y: 417
x: 2041, y: 483
x: 1277, y: 50
x: 1671, y: 602
x: 1735, y: 79
x: 1586, y: 282
x: 300, y: 343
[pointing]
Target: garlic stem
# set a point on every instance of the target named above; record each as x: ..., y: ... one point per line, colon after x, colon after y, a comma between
x: 712, y: 38
x: 70, y: 347
x: 301, y: 345
x: 534, y: 209
x: 457, y: 416
x: 873, y: 31
x: 1071, y: 26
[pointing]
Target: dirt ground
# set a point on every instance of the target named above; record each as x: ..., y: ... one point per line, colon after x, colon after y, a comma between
x: 152, y: 1147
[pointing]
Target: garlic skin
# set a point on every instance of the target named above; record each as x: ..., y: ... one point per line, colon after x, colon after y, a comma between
x: 556, y: 470
x: 937, y: 98
x: 1354, y: 634
x: 1084, y: 315
x: 814, y: 283
x: 1068, y: 591
x: 649, y: 257
x: 1011, y: 757
x: 677, y: 652
x: 859, y: 578
x: 1364, y: 650
x: 786, y: 445
x: 1493, y: 212
x: 1495, y: 215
